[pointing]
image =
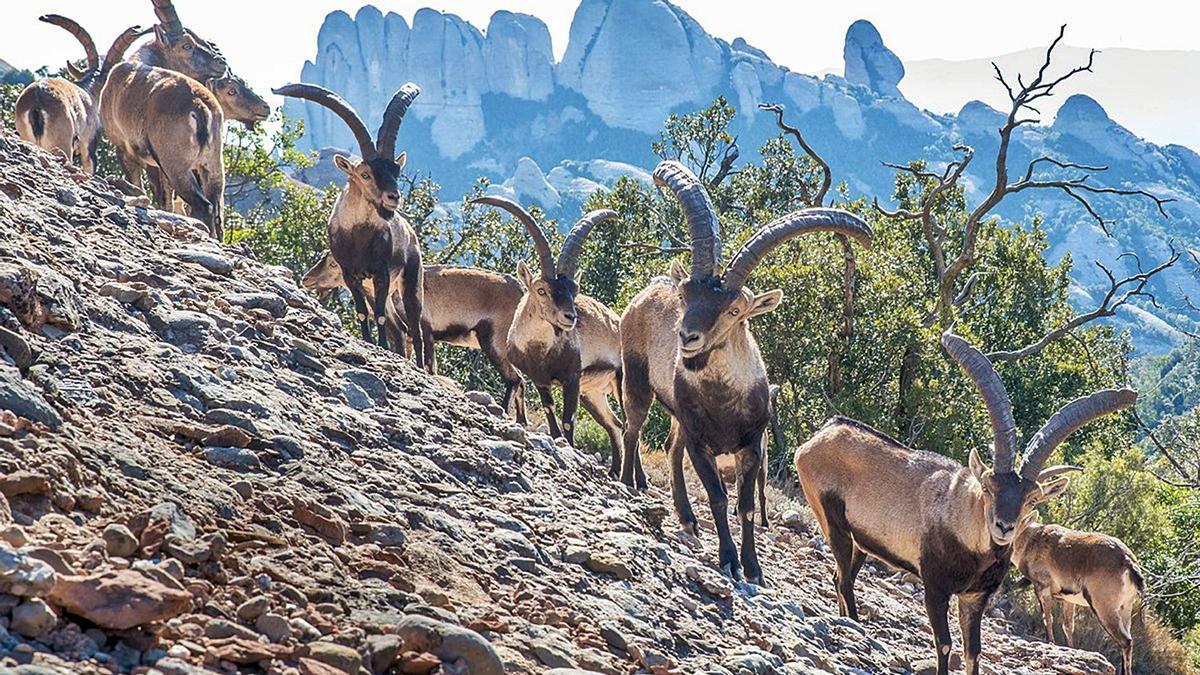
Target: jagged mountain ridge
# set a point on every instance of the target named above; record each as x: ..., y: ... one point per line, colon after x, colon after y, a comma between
x: 493, y: 98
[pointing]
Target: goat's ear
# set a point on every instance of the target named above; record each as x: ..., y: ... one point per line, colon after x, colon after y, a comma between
x: 978, y: 468
x: 677, y: 272
x: 578, y: 278
x: 764, y: 303
x: 344, y: 163
x: 1053, y: 488
x: 524, y: 276
x: 161, y: 35
x: 401, y: 160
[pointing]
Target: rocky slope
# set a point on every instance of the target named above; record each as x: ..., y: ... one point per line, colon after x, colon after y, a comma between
x: 494, y: 99
x: 201, y: 470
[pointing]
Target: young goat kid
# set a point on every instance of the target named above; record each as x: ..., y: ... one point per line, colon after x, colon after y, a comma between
x: 562, y: 338
x: 367, y: 235
x: 1081, y: 568
x: 464, y: 306
x: 687, y: 342
x: 58, y: 115
x: 953, y: 526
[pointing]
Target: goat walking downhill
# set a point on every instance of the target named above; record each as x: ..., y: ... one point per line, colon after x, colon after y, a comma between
x: 560, y: 337
x: 687, y: 342
x: 368, y: 236
x: 171, y: 126
x: 1081, y: 568
x: 58, y: 115
x: 953, y: 526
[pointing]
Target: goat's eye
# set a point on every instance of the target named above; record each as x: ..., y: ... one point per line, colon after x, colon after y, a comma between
x: 541, y: 291
x: 187, y: 46
x: 734, y: 312
x: 364, y: 174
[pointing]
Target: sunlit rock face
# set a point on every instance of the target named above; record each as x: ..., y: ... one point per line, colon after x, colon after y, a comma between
x: 869, y: 62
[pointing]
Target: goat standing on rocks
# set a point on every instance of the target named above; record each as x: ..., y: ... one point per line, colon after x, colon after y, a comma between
x: 367, y: 235
x: 687, y: 341
x: 56, y: 114
x: 1081, y: 568
x: 171, y: 126
x: 953, y: 526
x: 562, y: 338
x: 464, y: 306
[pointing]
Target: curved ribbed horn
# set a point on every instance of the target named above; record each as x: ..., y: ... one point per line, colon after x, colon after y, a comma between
x: 1067, y: 420
x: 792, y: 225
x: 75, y: 72
x: 85, y: 39
x: 700, y: 215
x: 540, y: 244
x: 568, y: 257
x: 995, y: 397
x: 168, y: 18
x: 393, y: 116
x: 116, y: 53
x: 322, y: 96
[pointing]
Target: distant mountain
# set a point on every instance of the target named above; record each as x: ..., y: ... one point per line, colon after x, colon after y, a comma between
x: 496, y: 104
x: 1153, y: 92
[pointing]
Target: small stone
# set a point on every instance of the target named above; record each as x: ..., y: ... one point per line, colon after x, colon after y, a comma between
x: 236, y: 459
x: 229, y: 436
x: 716, y: 585
x: 119, y: 541
x: 382, y: 651
x: 218, y: 629
x: 244, y: 489
x: 33, y: 618
x: 605, y: 563
x: 386, y: 534
x: 275, y: 627
x: 24, y: 483
x: 253, y: 608
x: 13, y: 535
x: 341, y: 657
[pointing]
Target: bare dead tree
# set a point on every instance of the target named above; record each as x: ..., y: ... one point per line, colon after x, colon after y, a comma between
x: 1119, y: 293
x: 849, y: 259
x: 1076, y: 184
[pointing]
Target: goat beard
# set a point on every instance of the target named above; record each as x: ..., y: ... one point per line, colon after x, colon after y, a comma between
x: 384, y: 212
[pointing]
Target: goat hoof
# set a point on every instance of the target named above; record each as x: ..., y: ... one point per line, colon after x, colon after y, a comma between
x: 731, y: 571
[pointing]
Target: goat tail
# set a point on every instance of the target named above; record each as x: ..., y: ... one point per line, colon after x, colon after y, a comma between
x: 37, y: 122
x: 202, y: 118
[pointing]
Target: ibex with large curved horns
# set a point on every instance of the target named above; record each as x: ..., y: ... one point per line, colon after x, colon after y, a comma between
x: 367, y: 235
x: 687, y: 341
x: 58, y: 115
x: 179, y: 49
x: 1081, y: 568
x: 953, y: 526
x: 560, y: 337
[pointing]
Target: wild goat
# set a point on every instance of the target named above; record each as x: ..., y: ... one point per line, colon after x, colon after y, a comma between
x: 1081, y: 568
x: 464, y: 306
x: 58, y: 115
x: 924, y: 513
x: 367, y: 235
x: 169, y: 125
x: 238, y: 101
x: 687, y: 341
x: 179, y: 49
x: 562, y: 338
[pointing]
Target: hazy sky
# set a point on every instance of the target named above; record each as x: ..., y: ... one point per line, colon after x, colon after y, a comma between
x: 267, y: 41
